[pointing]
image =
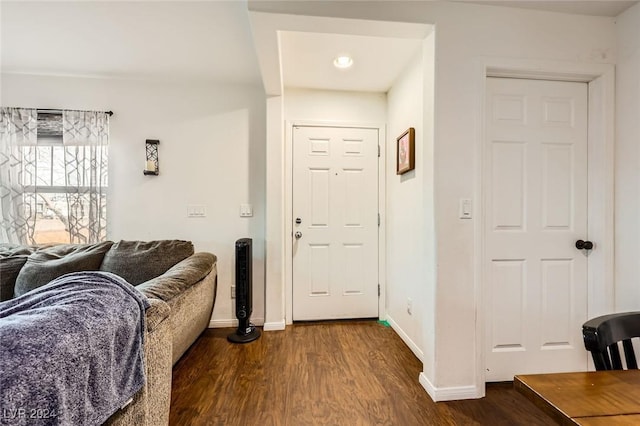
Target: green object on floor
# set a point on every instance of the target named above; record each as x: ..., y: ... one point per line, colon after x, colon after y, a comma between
x: 384, y: 322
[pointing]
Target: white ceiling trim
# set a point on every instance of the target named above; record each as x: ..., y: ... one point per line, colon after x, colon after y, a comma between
x: 611, y: 8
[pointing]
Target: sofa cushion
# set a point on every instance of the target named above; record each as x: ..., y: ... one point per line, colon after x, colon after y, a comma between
x: 8, y: 249
x: 9, y: 270
x: 52, y: 262
x: 179, y: 278
x: 140, y: 261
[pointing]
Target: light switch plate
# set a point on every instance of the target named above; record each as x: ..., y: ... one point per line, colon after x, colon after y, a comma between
x: 196, y: 210
x: 246, y: 210
x: 465, y: 208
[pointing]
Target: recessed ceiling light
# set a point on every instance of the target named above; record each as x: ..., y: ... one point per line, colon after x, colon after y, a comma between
x: 343, y: 61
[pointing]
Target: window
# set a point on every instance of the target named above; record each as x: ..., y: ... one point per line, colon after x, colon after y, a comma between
x: 71, y: 178
x: 51, y: 221
x: 53, y: 178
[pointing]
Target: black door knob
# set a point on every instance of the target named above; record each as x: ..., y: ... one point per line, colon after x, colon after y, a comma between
x: 584, y: 245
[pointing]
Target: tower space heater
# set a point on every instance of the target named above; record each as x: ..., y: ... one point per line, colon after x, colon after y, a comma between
x: 246, y: 331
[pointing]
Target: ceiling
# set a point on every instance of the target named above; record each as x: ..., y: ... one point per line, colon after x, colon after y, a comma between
x: 207, y: 40
x: 307, y: 60
x: 214, y: 41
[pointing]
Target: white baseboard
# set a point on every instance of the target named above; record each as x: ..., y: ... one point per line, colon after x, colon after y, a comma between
x: 406, y: 339
x: 274, y: 326
x: 223, y: 323
x: 449, y: 394
x: 226, y: 323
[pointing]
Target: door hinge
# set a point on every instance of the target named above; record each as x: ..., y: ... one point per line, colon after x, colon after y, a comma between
x: 378, y: 219
x: 378, y: 151
x: 378, y: 289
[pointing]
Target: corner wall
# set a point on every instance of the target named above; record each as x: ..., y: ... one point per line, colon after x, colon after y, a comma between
x: 410, y: 236
x: 466, y: 35
x: 627, y: 193
x: 212, y: 153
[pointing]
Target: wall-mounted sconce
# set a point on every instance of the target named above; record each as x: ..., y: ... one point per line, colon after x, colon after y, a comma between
x: 151, y: 165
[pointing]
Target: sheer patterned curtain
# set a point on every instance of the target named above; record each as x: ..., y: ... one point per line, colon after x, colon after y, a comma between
x: 18, y: 139
x: 34, y: 171
x: 85, y: 136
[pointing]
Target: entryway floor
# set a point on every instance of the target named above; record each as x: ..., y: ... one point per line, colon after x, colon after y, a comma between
x: 326, y: 373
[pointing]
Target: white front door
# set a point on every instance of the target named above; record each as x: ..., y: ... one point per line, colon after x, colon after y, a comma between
x: 335, y: 214
x: 535, y: 211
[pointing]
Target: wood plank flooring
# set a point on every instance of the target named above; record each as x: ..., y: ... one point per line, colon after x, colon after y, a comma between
x: 324, y: 373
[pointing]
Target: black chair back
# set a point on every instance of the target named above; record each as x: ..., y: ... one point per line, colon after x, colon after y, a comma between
x: 602, y: 334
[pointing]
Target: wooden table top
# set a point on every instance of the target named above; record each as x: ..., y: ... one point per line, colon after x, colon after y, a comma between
x: 620, y: 420
x: 585, y: 398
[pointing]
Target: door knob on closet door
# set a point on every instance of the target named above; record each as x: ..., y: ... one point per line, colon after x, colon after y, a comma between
x: 584, y: 245
x: 298, y: 235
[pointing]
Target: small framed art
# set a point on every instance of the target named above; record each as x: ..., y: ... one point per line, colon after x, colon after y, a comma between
x: 406, y: 152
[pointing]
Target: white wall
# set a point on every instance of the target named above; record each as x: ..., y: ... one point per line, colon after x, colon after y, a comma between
x: 428, y: 288
x: 334, y: 106
x: 410, y: 222
x: 628, y: 161
x: 464, y: 35
x: 404, y: 206
x: 212, y: 150
x: 275, y: 267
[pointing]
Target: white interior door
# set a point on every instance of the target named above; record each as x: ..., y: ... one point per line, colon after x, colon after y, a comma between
x: 536, y: 209
x: 335, y: 201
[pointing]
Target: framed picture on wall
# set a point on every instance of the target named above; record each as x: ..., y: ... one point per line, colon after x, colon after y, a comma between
x: 405, y: 152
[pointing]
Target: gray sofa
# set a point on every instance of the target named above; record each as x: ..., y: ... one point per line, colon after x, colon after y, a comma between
x: 180, y: 285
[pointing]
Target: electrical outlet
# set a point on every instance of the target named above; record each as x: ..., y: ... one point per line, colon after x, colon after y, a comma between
x: 409, y: 306
x: 233, y: 291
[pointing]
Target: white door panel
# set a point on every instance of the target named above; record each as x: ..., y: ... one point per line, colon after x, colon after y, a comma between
x: 536, y: 208
x: 335, y: 196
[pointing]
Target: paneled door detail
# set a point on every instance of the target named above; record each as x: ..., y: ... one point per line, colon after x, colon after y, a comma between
x: 536, y: 209
x: 335, y: 223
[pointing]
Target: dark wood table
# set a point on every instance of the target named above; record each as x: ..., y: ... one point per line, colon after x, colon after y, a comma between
x: 588, y: 398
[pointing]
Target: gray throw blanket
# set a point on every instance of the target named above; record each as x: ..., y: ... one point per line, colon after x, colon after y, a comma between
x: 71, y: 351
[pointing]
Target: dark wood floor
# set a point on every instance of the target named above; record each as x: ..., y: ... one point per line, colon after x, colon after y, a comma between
x: 327, y: 373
